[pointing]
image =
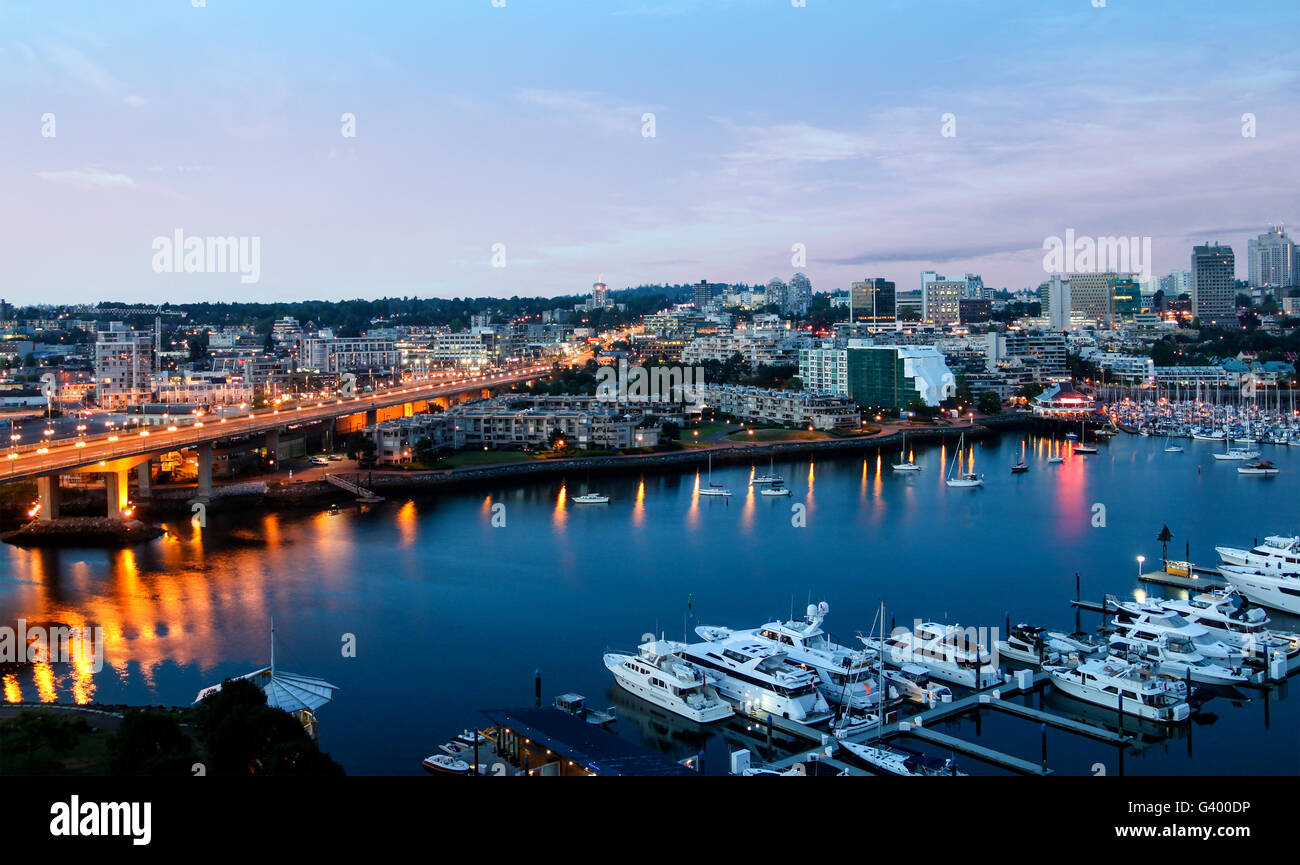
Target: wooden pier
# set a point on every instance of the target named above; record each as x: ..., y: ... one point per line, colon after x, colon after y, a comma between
x: 1199, y: 578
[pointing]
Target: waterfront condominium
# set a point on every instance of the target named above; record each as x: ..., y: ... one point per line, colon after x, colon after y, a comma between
x: 1214, y: 287
x: 891, y: 376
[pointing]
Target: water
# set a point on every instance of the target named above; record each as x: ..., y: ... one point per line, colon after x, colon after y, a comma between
x: 450, y: 614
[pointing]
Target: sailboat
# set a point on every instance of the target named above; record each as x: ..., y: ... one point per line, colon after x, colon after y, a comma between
x: 908, y: 464
x: 967, y: 479
x: 770, y: 478
x: 1022, y: 466
x: 714, y: 489
x: 1171, y: 448
x: 1082, y: 447
x: 1056, y: 458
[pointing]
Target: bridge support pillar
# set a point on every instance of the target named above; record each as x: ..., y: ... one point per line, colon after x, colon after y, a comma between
x: 116, y: 486
x: 205, y: 472
x: 144, y: 479
x: 47, y: 491
x: 273, y: 447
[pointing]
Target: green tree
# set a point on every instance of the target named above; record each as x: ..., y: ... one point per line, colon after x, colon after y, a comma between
x: 32, y: 730
x: 990, y: 402
x: 244, y: 736
x: 150, y: 742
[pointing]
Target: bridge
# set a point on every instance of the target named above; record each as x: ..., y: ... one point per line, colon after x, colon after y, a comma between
x: 113, y: 455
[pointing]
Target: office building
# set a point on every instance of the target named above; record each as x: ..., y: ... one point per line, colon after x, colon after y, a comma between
x: 891, y: 376
x: 1214, y: 286
x: 941, y: 301
x: 872, y: 302
x: 1272, y: 259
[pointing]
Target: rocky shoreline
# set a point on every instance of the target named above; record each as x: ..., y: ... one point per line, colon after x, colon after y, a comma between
x: 82, y: 532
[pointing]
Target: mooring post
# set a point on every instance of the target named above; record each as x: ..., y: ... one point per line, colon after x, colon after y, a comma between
x: 537, y: 687
x: 1044, y: 729
x: 769, y: 731
x: 1121, y: 713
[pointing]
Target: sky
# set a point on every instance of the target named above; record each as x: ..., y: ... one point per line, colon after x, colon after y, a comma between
x: 516, y: 135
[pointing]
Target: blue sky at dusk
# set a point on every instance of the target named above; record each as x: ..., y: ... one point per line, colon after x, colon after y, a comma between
x: 521, y: 125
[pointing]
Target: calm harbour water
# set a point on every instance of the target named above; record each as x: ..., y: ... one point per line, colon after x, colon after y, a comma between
x: 451, y: 615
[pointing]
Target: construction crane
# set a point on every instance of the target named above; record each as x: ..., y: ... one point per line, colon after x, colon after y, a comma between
x: 126, y: 311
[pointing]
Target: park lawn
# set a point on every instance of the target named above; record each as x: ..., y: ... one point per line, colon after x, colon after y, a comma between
x: 485, y: 458
x: 779, y: 435
x: 704, y: 430
x: 89, y: 757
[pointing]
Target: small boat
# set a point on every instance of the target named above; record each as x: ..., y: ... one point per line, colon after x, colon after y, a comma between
x: 907, y: 465
x: 912, y: 682
x: 576, y: 705
x: 590, y: 499
x: 902, y: 763
x: 1173, y: 449
x: 775, y: 490
x: 1083, y: 447
x: 1020, y: 468
x: 445, y: 764
x: 770, y: 478
x: 464, y: 742
x: 1263, y: 468
x: 1237, y: 454
x: 1055, y: 461
x: 966, y: 479
x: 714, y: 489
x: 1214, y: 436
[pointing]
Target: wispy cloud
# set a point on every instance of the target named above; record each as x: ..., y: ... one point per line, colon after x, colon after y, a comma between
x: 88, y: 178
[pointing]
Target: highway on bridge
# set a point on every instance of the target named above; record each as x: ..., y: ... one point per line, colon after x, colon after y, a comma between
x: 67, y: 455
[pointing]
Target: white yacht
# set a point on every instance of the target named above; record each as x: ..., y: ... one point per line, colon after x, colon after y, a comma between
x: 1258, y: 468
x: 1144, y: 692
x: 1151, y: 618
x: 912, y: 682
x: 1277, y: 553
x: 1213, y: 436
x: 1176, y: 656
x: 657, y: 675
x: 755, y: 675
x: 590, y: 499
x: 845, y: 676
x: 1276, y: 589
x: 893, y: 762
x: 944, y: 650
x: 775, y: 489
x: 1222, y: 612
x: 966, y: 479
x: 1237, y: 454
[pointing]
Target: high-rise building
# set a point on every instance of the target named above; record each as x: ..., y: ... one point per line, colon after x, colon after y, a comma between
x: 776, y: 294
x: 941, y: 301
x: 891, y: 376
x: 1126, y: 298
x: 1054, y: 295
x: 1214, y: 286
x: 600, y: 296
x: 703, y: 294
x: 1092, y: 296
x: 974, y: 286
x: 872, y: 302
x: 1272, y: 259
x: 124, y: 361
x: 799, y: 295
x: 1177, y: 282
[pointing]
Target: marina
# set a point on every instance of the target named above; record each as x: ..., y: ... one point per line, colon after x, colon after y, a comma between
x: 661, y: 559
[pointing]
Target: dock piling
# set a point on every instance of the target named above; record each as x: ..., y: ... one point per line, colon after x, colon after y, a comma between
x: 1044, y: 732
x: 537, y: 687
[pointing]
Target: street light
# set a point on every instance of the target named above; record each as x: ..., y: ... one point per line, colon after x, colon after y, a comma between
x: 1141, y: 559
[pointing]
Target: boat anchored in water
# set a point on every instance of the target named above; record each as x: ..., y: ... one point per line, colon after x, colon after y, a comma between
x: 966, y: 479
x: 843, y: 674
x: 590, y: 499
x: 776, y: 489
x: 1134, y: 689
x: 714, y: 489
x: 770, y: 478
x: 657, y: 675
x: 755, y: 676
x: 946, y: 651
x: 908, y: 464
x: 1260, y: 468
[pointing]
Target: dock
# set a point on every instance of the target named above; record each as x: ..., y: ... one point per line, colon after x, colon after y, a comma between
x: 1199, y: 578
x: 971, y: 749
x: 1059, y: 722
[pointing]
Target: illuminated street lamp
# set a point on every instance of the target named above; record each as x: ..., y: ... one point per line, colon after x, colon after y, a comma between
x: 1141, y: 559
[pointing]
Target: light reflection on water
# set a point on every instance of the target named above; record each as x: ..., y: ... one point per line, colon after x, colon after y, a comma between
x: 452, y: 614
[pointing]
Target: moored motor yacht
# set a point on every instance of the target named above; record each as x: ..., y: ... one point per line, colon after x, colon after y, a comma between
x: 445, y: 764
x: 1174, y: 655
x: 895, y: 762
x: 845, y: 676
x: 590, y: 499
x: 1259, y: 468
x: 1135, y: 689
x: 949, y: 653
x: 756, y: 676
x: 1277, y: 553
x: 1153, y: 619
x: 657, y: 675
x: 1028, y: 644
x: 1223, y: 613
x: 776, y: 489
x: 912, y: 682
x: 1276, y: 589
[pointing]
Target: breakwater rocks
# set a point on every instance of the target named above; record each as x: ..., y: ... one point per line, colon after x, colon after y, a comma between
x: 82, y: 532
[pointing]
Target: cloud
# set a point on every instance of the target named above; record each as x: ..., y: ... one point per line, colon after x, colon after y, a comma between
x: 90, y: 178
x: 133, y: 100
x: 593, y: 109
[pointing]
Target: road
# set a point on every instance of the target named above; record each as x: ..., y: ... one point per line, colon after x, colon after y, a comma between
x: 69, y: 454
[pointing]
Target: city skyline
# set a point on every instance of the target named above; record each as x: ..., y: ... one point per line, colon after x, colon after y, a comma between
x: 229, y: 120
